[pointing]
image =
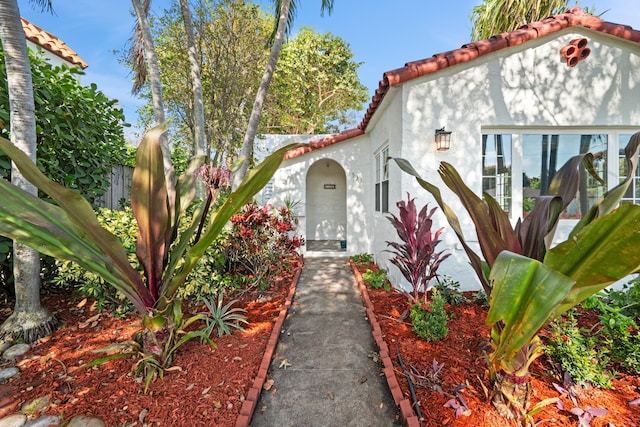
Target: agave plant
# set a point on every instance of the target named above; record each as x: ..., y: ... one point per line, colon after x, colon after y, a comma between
x: 70, y: 230
x: 415, y: 254
x: 531, y: 283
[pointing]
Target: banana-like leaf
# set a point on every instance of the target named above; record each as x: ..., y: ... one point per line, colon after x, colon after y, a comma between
x: 603, y: 252
x: 151, y: 208
x: 46, y: 228
x: 536, y: 230
x: 479, y: 266
x: 81, y: 215
x: 609, y: 201
x: 525, y: 293
x: 253, y: 182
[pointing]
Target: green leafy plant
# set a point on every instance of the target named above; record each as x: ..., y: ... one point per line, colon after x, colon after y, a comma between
x: 224, y: 318
x: 528, y: 282
x: 70, y: 230
x: 363, y: 259
x: 430, y: 320
x: 576, y: 352
x: 376, y: 279
x: 450, y: 291
x: 415, y: 255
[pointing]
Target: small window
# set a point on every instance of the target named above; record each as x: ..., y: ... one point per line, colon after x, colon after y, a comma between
x: 496, y: 168
x: 382, y: 181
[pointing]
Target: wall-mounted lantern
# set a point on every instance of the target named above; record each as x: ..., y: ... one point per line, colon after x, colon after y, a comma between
x: 443, y: 139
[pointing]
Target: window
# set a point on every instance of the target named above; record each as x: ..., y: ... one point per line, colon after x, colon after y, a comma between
x: 382, y: 180
x: 496, y: 168
x: 633, y: 192
x: 536, y: 158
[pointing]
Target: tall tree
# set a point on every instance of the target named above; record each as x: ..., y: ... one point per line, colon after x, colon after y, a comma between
x: 285, y: 12
x: 499, y: 16
x: 230, y: 37
x: 315, y: 88
x: 146, y: 68
x: 30, y: 320
x: 199, y: 141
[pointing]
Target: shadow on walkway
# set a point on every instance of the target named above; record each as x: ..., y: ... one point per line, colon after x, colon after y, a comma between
x: 322, y: 370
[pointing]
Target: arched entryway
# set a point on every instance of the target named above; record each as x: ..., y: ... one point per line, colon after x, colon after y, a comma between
x: 326, y: 206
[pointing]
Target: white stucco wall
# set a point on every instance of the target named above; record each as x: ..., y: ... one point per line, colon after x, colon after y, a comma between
x: 290, y: 181
x: 526, y: 88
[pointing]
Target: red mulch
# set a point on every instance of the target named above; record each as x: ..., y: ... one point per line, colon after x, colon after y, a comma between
x: 462, y: 354
x: 205, y: 387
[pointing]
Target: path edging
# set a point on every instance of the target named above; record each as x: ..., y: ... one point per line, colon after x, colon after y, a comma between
x: 251, y: 401
x: 406, y: 410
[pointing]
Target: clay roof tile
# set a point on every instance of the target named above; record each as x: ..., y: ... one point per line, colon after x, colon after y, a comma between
x: 573, y: 17
x: 51, y: 43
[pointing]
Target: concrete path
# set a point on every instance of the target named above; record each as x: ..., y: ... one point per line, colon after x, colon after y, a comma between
x: 322, y: 372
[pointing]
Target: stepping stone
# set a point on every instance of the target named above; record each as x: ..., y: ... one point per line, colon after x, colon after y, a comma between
x: 17, y: 420
x: 5, y: 345
x: 15, y: 351
x: 7, y: 373
x: 82, y: 421
x: 49, y: 420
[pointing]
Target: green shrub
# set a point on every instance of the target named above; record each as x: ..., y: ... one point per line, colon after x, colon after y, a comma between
x: 450, y: 291
x: 206, y: 279
x: 363, y: 259
x: 376, y: 279
x: 575, y: 352
x: 430, y: 321
x: 618, y: 311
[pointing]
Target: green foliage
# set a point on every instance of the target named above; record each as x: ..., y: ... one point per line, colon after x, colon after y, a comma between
x: 79, y: 130
x: 618, y: 312
x: 70, y: 230
x: 376, y: 279
x: 363, y: 259
x: 450, y: 291
x: 430, y: 321
x: 79, y: 139
x: 223, y: 318
x: 315, y: 88
x: 576, y: 352
x: 231, y: 36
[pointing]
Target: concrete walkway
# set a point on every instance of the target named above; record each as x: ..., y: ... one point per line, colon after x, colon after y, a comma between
x: 322, y: 370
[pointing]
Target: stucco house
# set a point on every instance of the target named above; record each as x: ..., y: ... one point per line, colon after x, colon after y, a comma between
x: 518, y: 105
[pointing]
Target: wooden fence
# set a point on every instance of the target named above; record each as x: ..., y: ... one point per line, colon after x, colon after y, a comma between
x: 118, y: 191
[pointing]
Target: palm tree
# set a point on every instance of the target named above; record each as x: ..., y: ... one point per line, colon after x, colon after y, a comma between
x: 286, y: 13
x: 498, y: 16
x: 30, y: 320
x: 199, y: 138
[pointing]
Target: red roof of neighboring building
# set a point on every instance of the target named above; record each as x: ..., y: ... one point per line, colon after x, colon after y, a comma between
x: 51, y: 43
x: 411, y: 70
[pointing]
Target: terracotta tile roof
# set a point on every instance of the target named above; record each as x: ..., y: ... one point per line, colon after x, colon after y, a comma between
x: 411, y: 70
x: 324, y: 142
x: 51, y: 43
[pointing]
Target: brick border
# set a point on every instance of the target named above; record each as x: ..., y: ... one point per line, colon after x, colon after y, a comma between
x: 251, y: 401
x: 406, y: 409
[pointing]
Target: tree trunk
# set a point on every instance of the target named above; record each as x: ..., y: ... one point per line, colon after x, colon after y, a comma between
x: 29, y: 320
x: 153, y: 72
x: 511, y: 395
x: 246, y: 152
x: 199, y: 139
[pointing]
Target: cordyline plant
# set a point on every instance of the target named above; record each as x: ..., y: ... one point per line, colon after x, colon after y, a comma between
x: 529, y: 282
x: 71, y: 231
x: 415, y: 254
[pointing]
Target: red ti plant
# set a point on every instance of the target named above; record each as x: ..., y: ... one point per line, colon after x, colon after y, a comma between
x: 415, y: 254
x: 70, y: 230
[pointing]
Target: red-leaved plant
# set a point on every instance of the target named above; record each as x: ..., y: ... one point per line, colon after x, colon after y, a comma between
x: 415, y: 254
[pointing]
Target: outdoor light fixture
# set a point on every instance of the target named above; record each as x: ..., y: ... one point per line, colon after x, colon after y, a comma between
x: 443, y: 139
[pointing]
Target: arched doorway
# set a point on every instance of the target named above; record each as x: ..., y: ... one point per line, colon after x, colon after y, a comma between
x: 326, y: 206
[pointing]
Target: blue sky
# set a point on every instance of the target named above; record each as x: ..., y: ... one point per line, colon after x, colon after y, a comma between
x: 383, y: 35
